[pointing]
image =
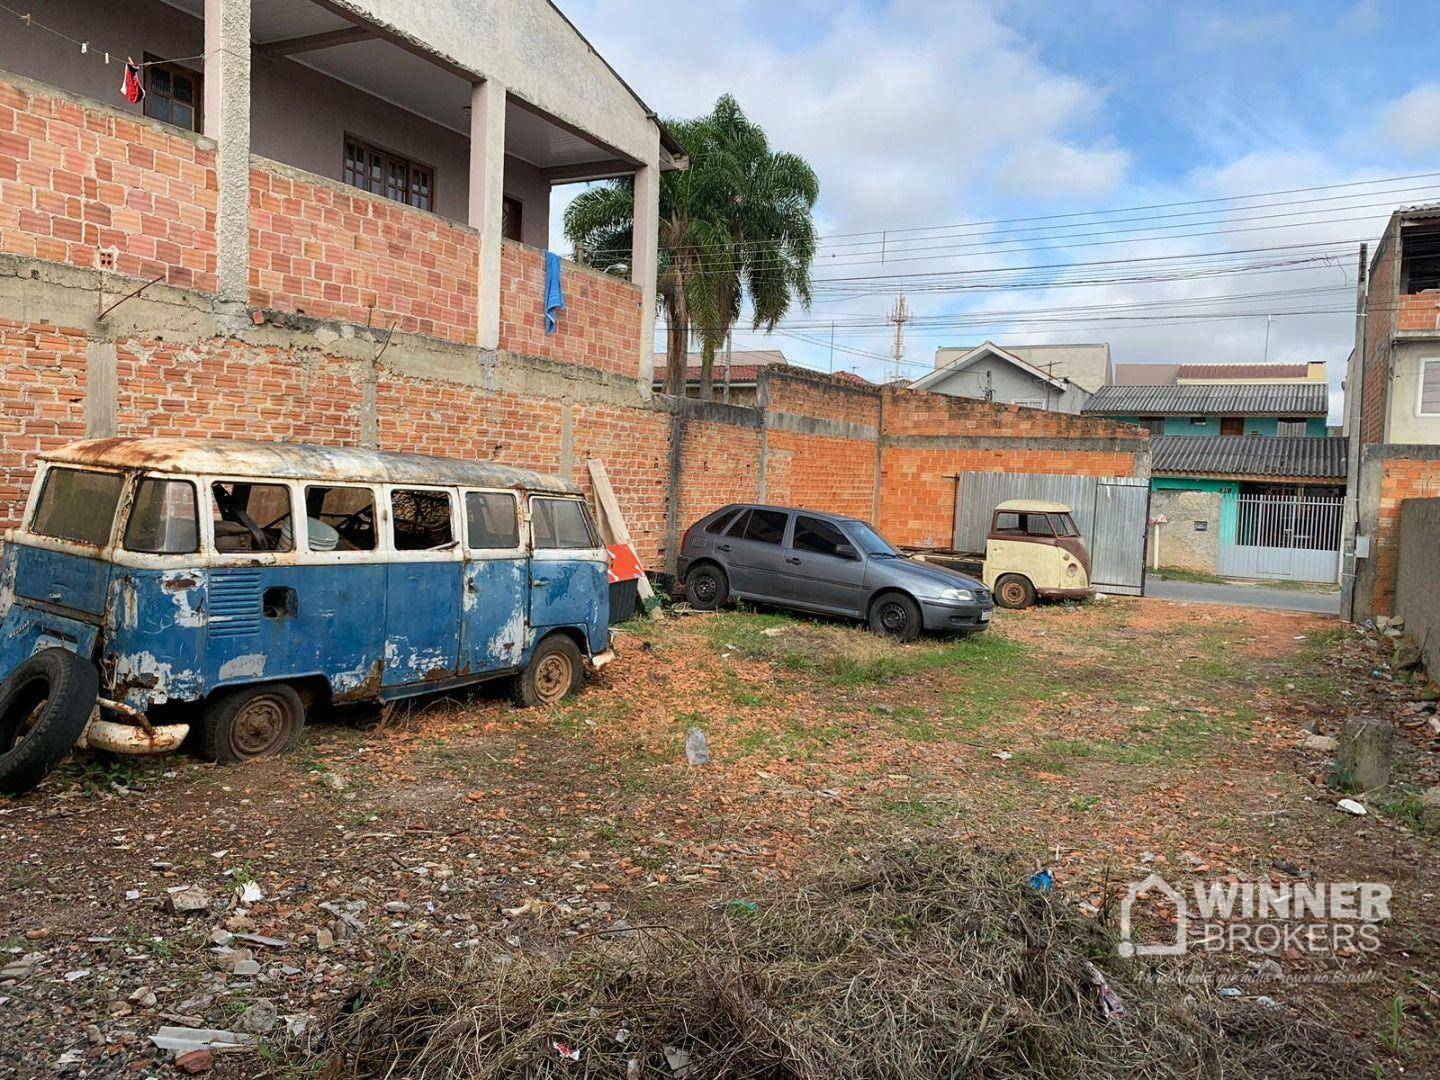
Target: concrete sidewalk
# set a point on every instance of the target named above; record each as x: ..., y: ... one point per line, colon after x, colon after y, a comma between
x: 1245, y: 596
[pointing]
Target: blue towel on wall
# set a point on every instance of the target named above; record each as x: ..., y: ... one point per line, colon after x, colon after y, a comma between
x: 554, y: 295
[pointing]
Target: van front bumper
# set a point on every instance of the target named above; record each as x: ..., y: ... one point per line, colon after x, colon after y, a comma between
x: 121, y: 738
x: 955, y: 615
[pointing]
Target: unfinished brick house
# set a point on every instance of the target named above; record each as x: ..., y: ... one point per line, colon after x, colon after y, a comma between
x: 323, y: 222
x: 1392, y: 409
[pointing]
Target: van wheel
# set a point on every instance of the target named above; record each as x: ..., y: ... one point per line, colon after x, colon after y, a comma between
x: 555, y: 671
x: 44, y: 706
x: 1014, y: 591
x: 251, y: 722
x: 706, y: 588
x: 895, y: 616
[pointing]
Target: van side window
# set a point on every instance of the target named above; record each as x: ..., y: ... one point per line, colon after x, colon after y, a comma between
x: 562, y: 523
x: 340, y: 518
x: 422, y: 520
x: 252, y: 517
x: 163, y: 518
x: 77, y: 505
x: 1007, y: 521
x: 1038, y: 525
x: 762, y: 526
x: 491, y: 520
x: 812, y: 534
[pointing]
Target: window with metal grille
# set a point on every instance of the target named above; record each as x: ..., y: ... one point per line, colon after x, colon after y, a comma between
x: 382, y: 173
x: 172, y: 94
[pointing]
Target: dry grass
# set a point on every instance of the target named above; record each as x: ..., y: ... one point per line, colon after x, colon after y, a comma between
x: 931, y: 960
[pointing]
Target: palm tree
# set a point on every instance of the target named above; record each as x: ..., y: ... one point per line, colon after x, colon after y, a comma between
x: 737, y: 222
x: 599, y: 223
x: 768, y: 236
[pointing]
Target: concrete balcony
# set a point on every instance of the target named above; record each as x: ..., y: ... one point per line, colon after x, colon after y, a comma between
x: 308, y: 158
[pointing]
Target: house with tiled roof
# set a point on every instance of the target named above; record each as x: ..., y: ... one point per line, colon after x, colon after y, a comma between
x: 1059, y: 378
x: 736, y: 381
x: 1246, y: 478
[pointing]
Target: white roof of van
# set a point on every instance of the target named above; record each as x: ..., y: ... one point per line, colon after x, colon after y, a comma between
x: 1034, y: 506
x: 300, y: 461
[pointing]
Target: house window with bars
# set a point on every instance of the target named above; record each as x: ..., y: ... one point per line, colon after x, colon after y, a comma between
x: 382, y: 173
x: 172, y: 94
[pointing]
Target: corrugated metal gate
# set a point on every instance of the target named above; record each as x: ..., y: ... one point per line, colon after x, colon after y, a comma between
x: 1283, y: 536
x: 1110, y: 512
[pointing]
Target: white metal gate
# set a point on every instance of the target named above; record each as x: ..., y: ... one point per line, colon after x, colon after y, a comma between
x: 1110, y: 512
x: 1291, y: 537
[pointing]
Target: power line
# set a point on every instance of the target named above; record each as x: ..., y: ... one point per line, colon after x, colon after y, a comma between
x: 883, y: 236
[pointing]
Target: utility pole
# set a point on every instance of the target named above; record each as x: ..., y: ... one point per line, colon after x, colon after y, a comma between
x: 832, y: 346
x: 1268, y: 318
x: 899, y: 315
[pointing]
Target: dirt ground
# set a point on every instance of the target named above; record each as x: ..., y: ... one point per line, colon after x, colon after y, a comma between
x: 1105, y: 742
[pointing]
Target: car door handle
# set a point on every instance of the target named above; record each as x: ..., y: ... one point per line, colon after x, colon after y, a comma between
x: 793, y: 562
x: 540, y: 581
x: 722, y: 547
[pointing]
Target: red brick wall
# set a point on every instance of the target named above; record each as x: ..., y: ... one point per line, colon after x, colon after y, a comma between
x: 802, y: 393
x: 720, y: 463
x: 917, y: 501
x: 320, y: 249
x: 76, y: 179
x: 635, y: 446
x: 42, y: 400
x: 599, y: 328
x: 1401, y: 479
x: 227, y: 390
x: 1419, y: 312
x: 822, y: 473
x: 913, y: 412
x: 1380, y: 320
x: 917, y: 498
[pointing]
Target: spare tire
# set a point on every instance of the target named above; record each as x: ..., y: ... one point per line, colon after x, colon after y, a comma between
x: 44, y: 706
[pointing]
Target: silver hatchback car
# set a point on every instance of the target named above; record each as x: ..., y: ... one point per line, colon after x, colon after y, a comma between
x: 824, y: 563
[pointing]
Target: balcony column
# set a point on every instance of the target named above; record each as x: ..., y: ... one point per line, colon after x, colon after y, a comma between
x: 227, y: 122
x: 487, y: 180
x: 644, y: 262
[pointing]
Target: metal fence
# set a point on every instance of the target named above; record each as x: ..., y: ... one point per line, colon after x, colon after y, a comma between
x: 1110, y: 513
x: 1291, y: 537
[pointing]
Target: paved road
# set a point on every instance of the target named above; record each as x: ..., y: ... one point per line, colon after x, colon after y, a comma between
x: 1244, y: 595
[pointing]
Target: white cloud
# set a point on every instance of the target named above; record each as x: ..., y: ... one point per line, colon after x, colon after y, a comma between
x: 1412, y: 122
x: 904, y: 110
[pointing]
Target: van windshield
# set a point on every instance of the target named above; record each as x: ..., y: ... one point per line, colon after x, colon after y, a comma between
x: 77, y: 505
x: 867, y: 540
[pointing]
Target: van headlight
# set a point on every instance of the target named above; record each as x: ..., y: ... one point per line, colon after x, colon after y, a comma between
x: 956, y: 594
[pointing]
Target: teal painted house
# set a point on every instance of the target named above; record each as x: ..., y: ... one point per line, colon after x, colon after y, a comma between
x: 1246, y: 433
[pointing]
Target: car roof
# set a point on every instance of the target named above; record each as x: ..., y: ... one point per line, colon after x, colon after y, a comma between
x: 786, y: 510
x: 1034, y: 506
x: 300, y: 461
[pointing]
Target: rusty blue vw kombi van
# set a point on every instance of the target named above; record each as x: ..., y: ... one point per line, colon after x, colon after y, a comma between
x: 233, y: 585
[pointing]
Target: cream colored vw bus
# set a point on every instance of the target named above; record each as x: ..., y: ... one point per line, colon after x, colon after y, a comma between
x: 1035, y: 550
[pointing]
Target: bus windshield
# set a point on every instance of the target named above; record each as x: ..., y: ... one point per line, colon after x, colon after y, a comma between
x: 77, y: 505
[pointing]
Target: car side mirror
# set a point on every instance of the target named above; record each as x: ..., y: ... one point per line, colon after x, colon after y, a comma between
x: 846, y: 551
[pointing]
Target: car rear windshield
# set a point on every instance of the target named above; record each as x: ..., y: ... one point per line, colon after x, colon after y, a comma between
x: 77, y: 505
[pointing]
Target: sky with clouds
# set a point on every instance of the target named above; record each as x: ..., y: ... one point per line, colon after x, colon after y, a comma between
x: 992, y: 118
